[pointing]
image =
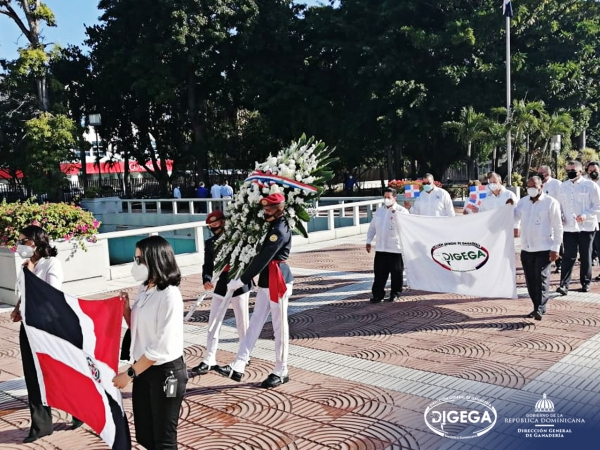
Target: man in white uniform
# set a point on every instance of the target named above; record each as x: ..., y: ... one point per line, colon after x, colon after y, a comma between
x: 593, y: 174
x: 541, y: 235
x: 580, y: 204
x: 433, y: 201
x: 497, y: 195
x: 388, y: 252
x: 550, y: 185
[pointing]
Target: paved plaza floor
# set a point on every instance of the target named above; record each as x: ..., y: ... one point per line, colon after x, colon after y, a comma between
x: 363, y: 375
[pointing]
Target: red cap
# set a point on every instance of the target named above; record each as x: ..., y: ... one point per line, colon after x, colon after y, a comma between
x: 273, y: 199
x: 214, y: 216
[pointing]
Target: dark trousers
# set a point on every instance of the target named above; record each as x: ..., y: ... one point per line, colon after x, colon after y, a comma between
x: 386, y: 264
x: 596, y: 245
x: 41, y: 416
x: 536, y: 266
x: 573, y: 242
x: 156, y: 415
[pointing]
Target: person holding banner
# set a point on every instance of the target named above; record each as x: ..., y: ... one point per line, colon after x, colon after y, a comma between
x: 239, y: 300
x: 541, y: 233
x: 40, y: 259
x: 580, y: 204
x: 275, y: 284
x: 498, y: 195
x: 388, y: 252
x: 433, y: 201
x: 158, y: 373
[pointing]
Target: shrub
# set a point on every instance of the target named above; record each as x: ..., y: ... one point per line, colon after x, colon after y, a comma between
x: 62, y: 222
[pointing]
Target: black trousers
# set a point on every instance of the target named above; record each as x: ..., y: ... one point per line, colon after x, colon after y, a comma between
x: 155, y: 415
x: 384, y: 265
x: 41, y: 416
x: 536, y: 266
x: 573, y: 242
x: 596, y: 244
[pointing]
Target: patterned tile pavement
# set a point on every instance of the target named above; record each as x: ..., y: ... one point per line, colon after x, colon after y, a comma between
x: 363, y: 374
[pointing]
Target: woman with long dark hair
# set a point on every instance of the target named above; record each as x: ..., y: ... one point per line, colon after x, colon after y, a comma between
x: 40, y: 258
x: 158, y: 373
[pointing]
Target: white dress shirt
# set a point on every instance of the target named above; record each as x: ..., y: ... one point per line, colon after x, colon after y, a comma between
x: 436, y: 203
x: 540, y: 222
x: 579, y: 198
x: 551, y: 187
x: 386, y: 226
x: 492, y: 201
x: 157, y: 325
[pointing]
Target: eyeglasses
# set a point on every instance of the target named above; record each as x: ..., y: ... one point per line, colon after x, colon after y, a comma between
x: 137, y: 259
x: 24, y: 241
x: 425, y: 184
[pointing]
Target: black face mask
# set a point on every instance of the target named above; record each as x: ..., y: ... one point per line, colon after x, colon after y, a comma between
x: 541, y: 175
x: 572, y: 174
x: 594, y: 175
x: 216, y: 230
x: 270, y: 216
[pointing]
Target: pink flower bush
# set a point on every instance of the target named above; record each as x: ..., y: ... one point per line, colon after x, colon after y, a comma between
x: 62, y: 221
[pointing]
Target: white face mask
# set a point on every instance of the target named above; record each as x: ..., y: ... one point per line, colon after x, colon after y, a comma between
x: 388, y: 201
x: 493, y: 187
x: 533, y: 192
x: 25, y: 251
x: 428, y: 187
x: 139, y: 272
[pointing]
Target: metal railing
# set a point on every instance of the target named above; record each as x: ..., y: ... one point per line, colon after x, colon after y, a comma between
x: 358, y: 210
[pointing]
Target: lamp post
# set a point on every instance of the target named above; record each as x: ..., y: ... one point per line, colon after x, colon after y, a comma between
x: 555, y: 144
x: 95, y: 120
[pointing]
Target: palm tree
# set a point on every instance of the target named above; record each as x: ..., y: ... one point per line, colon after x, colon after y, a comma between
x: 469, y: 129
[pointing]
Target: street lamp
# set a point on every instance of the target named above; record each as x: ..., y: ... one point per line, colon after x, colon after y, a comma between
x: 555, y: 147
x: 95, y: 120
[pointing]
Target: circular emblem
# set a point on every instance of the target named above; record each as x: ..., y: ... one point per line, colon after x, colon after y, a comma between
x: 273, y: 238
x: 264, y: 202
x: 460, y: 417
x: 95, y: 371
x: 460, y: 256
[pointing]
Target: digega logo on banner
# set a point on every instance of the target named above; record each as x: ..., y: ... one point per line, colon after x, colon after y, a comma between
x: 460, y: 256
x: 460, y: 417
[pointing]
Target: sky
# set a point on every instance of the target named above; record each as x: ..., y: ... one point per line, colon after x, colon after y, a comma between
x: 71, y: 18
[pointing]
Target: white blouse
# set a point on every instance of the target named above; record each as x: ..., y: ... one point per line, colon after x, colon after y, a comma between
x: 157, y: 325
x: 50, y: 270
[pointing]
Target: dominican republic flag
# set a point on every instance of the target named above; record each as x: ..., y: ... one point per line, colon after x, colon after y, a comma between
x: 477, y: 194
x: 411, y: 191
x: 263, y: 178
x: 507, y: 8
x: 75, y: 345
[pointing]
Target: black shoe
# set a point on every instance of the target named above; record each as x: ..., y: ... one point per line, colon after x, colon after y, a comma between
x: 376, y: 300
x: 562, y: 290
x: 228, y: 372
x: 393, y: 298
x: 585, y: 288
x: 76, y: 423
x: 530, y: 315
x: 274, y: 381
x: 34, y: 437
x: 537, y: 316
x: 200, y: 369
x: 597, y: 278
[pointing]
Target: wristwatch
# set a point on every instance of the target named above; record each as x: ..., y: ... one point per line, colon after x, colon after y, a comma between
x: 131, y: 373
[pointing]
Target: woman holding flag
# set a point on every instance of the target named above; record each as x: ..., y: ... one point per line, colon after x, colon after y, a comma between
x: 158, y: 373
x: 40, y: 259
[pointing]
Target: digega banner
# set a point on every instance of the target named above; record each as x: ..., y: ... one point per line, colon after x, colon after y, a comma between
x: 471, y: 254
